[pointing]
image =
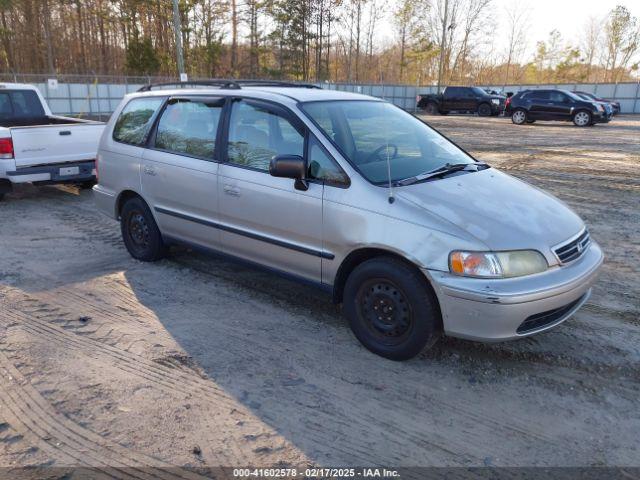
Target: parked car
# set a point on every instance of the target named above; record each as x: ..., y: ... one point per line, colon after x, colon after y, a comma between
x: 528, y: 106
x: 608, y: 105
x: 462, y: 99
x: 590, y: 96
x: 352, y: 194
x: 39, y: 147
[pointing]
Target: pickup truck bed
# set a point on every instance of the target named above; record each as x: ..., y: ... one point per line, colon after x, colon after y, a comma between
x: 39, y: 147
x: 40, y: 121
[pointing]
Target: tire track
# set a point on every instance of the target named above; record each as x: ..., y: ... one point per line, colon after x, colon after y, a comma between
x: 28, y: 410
x: 408, y: 431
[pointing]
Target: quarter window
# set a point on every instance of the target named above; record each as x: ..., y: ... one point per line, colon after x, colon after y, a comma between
x: 256, y: 134
x: 322, y: 166
x: 135, y: 120
x: 189, y: 127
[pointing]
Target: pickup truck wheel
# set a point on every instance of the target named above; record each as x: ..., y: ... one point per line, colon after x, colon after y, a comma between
x: 484, y: 110
x: 391, y: 310
x: 519, y: 116
x: 431, y: 108
x: 582, y: 119
x: 140, y: 232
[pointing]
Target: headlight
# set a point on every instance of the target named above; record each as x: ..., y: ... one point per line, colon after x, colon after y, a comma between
x: 600, y: 107
x: 497, y: 264
x: 495, y: 101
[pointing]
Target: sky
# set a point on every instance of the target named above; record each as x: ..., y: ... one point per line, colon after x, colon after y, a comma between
x: 569, y: 17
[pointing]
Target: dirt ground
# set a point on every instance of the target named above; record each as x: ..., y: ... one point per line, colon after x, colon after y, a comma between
x: 110, y: 363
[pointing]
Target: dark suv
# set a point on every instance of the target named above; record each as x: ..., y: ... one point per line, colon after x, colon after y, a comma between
x: 528, y: 106
x: 462, y: 99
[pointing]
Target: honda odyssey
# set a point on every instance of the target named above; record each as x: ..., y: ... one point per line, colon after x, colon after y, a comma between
x: 414, y: 236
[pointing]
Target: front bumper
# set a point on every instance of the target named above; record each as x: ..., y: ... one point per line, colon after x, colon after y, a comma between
x: 602, y: 117
x: 504, y: 309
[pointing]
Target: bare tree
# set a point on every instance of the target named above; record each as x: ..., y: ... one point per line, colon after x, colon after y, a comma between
x: 622, y: 40
x: 590, y: 44
x: 517, y: 25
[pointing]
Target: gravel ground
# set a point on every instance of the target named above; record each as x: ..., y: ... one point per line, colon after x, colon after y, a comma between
x: 110, y: 363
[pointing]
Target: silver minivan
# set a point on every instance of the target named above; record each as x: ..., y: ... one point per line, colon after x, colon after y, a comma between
x: 408, y: 231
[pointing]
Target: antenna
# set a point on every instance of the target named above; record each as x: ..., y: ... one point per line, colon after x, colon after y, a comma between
x: 391, y: 197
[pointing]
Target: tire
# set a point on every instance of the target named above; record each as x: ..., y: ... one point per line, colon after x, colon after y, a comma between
x: 413, y: 318
x: 140, y: 232
x: 484, y: 110
x: 582, y: 118
x: 431, y: 108
x: 519, y: 116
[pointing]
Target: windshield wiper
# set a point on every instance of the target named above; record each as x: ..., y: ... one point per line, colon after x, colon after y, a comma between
x: 440, y: 171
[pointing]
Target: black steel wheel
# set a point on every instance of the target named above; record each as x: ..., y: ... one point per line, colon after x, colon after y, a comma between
x: 140, y: 232
x: 391, y: 308
x: 386, y: 310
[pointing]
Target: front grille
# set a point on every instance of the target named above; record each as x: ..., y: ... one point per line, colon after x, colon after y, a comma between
x: 540, y: 320
x: 574, y: 249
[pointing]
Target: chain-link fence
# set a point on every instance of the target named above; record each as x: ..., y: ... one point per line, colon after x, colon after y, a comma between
x: 97, y: 96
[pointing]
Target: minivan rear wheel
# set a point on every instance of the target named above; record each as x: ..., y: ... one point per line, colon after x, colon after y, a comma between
x: 140, y: 232
x: 391, y: 309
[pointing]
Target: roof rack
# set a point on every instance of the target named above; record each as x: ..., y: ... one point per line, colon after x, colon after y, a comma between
x: 229, y: 84
x: 226, y: 84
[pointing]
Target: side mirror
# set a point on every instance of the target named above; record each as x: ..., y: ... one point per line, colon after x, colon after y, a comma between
x: 290, y: 166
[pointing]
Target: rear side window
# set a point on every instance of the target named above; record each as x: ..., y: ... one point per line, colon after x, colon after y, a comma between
x: 539, y: 95
x: 557, y: 97
x: 135, y: 120
x: 20, y: 104
x: 190, y: 127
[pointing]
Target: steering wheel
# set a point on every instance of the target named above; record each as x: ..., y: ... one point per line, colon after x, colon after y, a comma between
x: 376, y: 153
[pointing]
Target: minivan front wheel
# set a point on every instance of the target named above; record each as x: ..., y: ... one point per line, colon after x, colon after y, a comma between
x: 582, y: 119
x: 140, y: 232
x: 391, y: 309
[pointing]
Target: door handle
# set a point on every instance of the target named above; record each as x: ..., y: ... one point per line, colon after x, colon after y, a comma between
x: 149, y: 170
x: 230, y: 190
x: 64, y: 132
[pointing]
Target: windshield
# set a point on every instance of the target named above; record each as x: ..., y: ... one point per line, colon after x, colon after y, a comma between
x: 368, y: 133
x: 481, y: 91
x: 586, y: 95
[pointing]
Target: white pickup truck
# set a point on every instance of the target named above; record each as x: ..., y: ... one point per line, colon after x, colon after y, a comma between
x: 39, y: 147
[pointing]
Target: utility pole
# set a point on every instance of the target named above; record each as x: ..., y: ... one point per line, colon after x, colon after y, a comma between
x: 178, y: 32
x: 443, y: 43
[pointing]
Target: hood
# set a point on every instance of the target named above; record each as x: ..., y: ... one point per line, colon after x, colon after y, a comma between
x: 499, y: 210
